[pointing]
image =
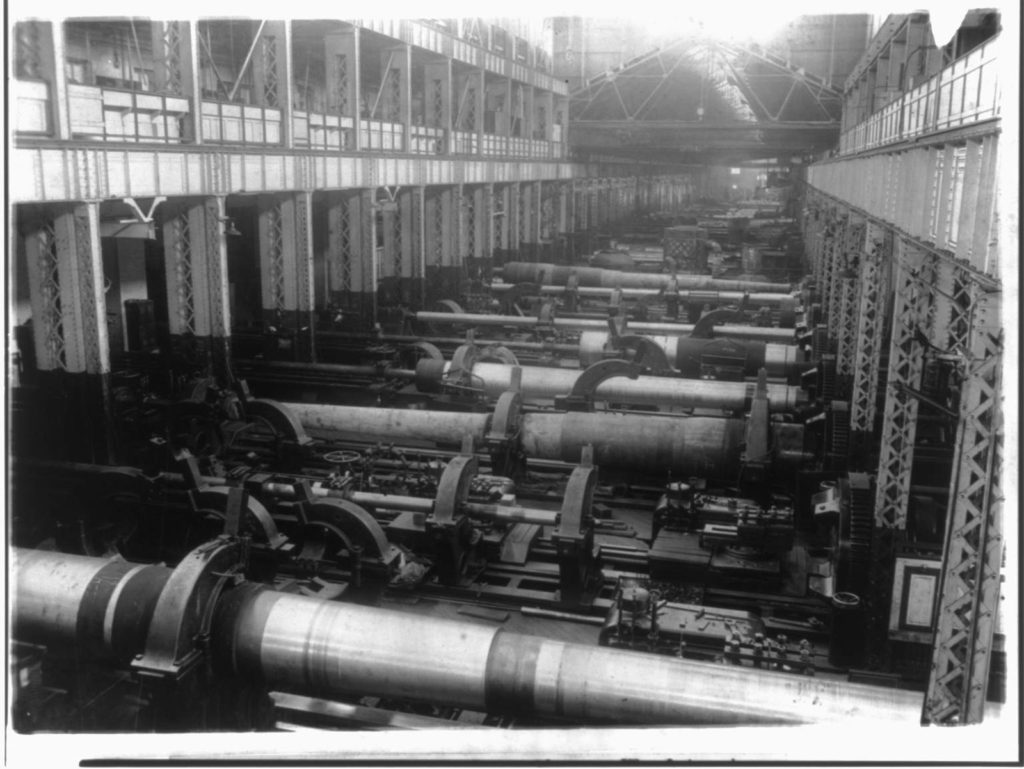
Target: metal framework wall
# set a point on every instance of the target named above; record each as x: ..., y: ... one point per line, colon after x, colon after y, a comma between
x: 927, y: 248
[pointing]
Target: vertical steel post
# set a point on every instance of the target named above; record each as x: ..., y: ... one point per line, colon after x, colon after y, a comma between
x: 968, y: 598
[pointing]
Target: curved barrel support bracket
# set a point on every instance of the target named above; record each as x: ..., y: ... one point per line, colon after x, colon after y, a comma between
x: 447, y: 527
x: 581, y: 397
x: 502, y: 438
x: 460, y: 372
x: 179, y: 631
x: 241, y: 512
x: 646, y: 353
x: 354, y: 526
x: 705, y: 327
x: 579, y: 574
x: 497, y: 353
x: 280, y: 418
x: 425, y: 349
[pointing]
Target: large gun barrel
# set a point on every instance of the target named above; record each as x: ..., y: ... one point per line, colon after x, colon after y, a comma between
x: 309, y: 646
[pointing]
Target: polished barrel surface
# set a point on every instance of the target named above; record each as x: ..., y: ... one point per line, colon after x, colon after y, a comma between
x: 710, y: 447
x: 442, y: 427
x: 761, y: 333
x: 309, y: 646
x: 49, y: 589
x: 706, y: 446
x: 756, y: 299
x: 304, y: 645
x: 533, y: 272
x: 543, y: 384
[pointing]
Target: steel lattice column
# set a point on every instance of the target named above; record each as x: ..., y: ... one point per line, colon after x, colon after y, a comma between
x: 69, y: 311
x: 499, y: 217
x: 834, y: 271
x: 564, y: 207
x: 874, y: 296
x: 286, y: 264
x: 218, y: 301
x: 547, y: 210
x: 847, y: 323
x: 172, y: 57
x: 343, y: 87
x: 65, y: 269
x: 969, y: 592
x: 350, y: 251
x: 195, y: 262
x: 822, y: 275
x: 914, y: 276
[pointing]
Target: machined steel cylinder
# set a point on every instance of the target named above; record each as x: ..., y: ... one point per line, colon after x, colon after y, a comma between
x: 733, y: 331
x: 99, y: 607
x: 541, y: 384
x: 314, y: 647
x: 304, y: 645
x: 709, y: 447
x: 688, y: 355
x: 534, y: 272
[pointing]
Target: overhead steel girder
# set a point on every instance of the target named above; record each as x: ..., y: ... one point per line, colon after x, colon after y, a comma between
x: 757, y: 74
x: 756, y: 90
x: 696, y: 136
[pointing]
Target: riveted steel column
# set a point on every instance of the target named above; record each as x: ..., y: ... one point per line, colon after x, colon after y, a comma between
x: 195, y: 263
x: 486, y: 218
x: 341, y: 58
x: 906, y: 363
x: 438, y: 99
x: 875, y: 294
x: 536, y: 211
x: 218, y: 303
x: 405, y: 245
x: 846, y: 324
x: 83, y: 306
x: 52, y: 68
x: 396, y: 90
x: 364, y: 264
x: 66, y: 286
x: 173, y: 71
x: 443, y: 243
x: 286, y: 265
x: 968, y: 597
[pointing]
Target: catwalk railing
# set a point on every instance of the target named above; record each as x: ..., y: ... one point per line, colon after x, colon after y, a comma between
x: 964, y: 93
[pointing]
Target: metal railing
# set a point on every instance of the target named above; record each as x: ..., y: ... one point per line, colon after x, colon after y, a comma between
x: 114, y: 114
x: 322, y: 132
x: 964, y: 93
x: 426, y: 141
x: 225, y: 123
x: 381, y: 135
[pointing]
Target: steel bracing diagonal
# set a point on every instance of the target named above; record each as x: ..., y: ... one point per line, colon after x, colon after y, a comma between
x: 874, y: 290
x: 906, y: 363
x: 969, y: 592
